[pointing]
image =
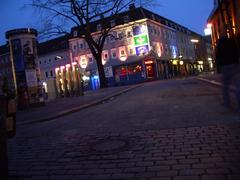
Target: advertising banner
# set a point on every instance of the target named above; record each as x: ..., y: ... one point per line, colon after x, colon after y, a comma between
x: 31, y: 78
x: 141, y: 29
x: 140, y: 50
x: 141, y: 40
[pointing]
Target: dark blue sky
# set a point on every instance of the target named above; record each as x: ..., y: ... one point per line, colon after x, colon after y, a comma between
x: 189, y: 13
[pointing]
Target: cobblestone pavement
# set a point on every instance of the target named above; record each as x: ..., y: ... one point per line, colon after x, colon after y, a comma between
x: 194, y: 153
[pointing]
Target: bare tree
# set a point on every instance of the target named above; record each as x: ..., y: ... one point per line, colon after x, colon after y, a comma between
x: 82, y: 14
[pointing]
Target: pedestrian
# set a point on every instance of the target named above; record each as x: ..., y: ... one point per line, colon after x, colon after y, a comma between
x: 228, y: 65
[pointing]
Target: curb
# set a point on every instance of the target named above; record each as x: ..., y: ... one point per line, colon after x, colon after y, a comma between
x: 81, y: 107
x: 213, y: 82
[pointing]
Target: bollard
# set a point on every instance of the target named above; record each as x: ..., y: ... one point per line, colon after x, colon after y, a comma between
x: 3, y: 139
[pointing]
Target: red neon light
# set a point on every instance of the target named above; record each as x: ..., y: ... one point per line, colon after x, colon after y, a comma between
x: 148, y: 62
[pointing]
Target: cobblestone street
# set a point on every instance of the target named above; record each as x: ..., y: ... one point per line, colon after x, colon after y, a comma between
x: 178, y: 131
x: 196, y: 153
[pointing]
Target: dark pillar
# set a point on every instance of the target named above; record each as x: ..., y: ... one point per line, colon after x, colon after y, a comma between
x: 3, y: 139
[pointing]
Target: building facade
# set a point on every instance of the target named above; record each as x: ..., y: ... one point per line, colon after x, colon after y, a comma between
x: 6, y: 65
x: 143, y: 46
x: 225, y: 19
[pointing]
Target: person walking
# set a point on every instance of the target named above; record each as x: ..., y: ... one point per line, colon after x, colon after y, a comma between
x: 227, y: 56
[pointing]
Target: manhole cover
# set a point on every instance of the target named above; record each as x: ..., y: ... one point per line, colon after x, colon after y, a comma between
x: 110, y: 145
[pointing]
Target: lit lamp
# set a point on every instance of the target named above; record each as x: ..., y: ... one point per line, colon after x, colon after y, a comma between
x: 208, y: 29
x: 194, y: 40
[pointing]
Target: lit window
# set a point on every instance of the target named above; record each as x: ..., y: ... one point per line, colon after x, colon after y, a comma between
x: 122, y: 52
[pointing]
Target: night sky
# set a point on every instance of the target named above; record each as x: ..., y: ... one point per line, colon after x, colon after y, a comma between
x: 189, y: 13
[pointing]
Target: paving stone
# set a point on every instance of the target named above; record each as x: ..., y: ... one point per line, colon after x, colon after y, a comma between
x: 191, y: 172
x: 213, y: 177
x: 186, y: 178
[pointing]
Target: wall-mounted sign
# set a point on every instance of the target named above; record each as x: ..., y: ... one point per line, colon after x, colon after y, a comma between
x: 141, y: 40
x: 141, y: 29
x: 141, y: 50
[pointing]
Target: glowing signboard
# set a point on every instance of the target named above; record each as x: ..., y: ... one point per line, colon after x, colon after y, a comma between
x: 141, y: 40
x: 137, y: 30
x: 141, y: 50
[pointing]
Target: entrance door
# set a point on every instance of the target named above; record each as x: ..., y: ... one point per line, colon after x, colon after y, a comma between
x: 150, y: 71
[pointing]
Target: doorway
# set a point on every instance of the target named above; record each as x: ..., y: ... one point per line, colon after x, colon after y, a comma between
x: 150, y: 71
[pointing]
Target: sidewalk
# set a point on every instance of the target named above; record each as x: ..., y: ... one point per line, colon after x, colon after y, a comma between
x: 64, y: 106
x: 214, y: 79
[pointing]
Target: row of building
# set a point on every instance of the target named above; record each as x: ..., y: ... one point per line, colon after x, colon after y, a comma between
x: 143, y: 46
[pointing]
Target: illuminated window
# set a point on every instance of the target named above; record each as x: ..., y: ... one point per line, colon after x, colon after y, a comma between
x: 122, y: 52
